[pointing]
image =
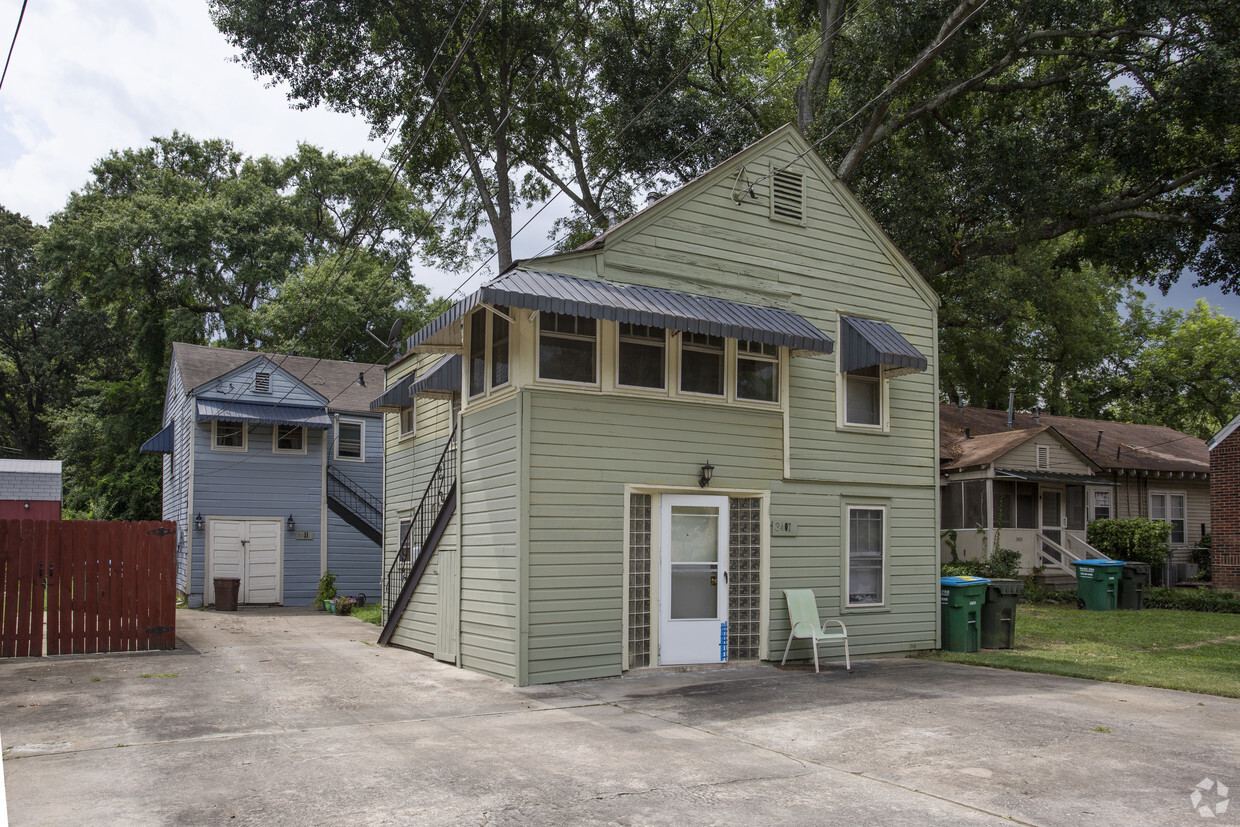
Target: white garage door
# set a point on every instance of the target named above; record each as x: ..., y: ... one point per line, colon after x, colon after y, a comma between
x: 249, y: 550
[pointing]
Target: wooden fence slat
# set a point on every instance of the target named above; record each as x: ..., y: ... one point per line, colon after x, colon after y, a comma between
x: 51, y: 576
x: 97, y: 590
x: 148, y: 593
x: 80, y: 588
x: 64, y: 590
x: 129, y: 557
x: 25, y: 574
x: 142, y: 603
x: 168, y: 587
x: 112, y: 556
x: 8, y: 552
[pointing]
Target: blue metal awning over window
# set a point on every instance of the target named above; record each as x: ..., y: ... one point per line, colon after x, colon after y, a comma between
x: 628, y: 303
x: 865, y: 343
x: 443, y: 377
x: 260, y: 414
x: 161, y: 443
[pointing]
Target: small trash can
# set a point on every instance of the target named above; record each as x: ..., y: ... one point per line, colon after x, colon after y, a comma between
x: 1133, y: 580
x: 1097, y: 584
x: 226, y: 589
x: 961, y: 600
x: 999, y: 614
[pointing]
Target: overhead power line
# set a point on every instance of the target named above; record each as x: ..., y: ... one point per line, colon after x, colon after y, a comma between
x: 20, y: 16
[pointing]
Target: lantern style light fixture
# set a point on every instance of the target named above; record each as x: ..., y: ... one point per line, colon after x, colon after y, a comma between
x: 708, y: 470
x: 198, y: 522
x: 292, y: 526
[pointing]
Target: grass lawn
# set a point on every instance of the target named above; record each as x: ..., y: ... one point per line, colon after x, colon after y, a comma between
x: 1194, y: 651
x: 370, y: 613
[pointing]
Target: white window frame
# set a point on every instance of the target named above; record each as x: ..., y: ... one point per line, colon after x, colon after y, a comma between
x: 884, y: 403
x: 401, y: 524
x: 245, y: 438
x: 777, y: 360
x: 348, y: 420
x: 262, y: 381
x: 726, y: 378
x: 1093, y: 509
x: 596, y: 338
x: 777, y: 170
x: 667, y: 368
x: 1167, y: 518
x: 1042, y: 457
x: 275, y: 440
x: 412, y: 413
x: 845, y: 600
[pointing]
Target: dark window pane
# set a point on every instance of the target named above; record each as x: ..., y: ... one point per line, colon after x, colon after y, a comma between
x: 951, y: 515
x: 566, y: 360
x: 642, y: 363
x: 1076, y: 507
x: 701, y: 371
x: 865, y: 556
x: 477, y: 353
x: 757, y: 380
x: 1026, y: 505
x: 975, y: 514
x: 863, y: 405
x: 1005, y: 504
x: 499, y: 350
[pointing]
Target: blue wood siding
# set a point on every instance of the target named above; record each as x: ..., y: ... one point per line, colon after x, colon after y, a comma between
x: 238, y: 386
x: 354, y: 558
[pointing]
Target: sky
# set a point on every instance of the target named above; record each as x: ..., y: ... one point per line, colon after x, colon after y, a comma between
x: 91, y: 76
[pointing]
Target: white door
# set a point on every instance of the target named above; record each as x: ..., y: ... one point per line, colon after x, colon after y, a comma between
x: 693, y: 583
x: 248, y: 550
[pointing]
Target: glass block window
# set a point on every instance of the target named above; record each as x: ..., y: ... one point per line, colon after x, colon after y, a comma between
x: 744, y: 571
x: 639, y: 580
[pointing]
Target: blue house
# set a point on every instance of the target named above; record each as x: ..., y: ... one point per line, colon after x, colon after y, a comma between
x: 273, y: 473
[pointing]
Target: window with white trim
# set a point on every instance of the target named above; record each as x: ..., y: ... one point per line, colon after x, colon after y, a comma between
x: 499, y: 349
x: 641, y: 356
x: 288, y: 439
x: 477, y: 353
x: 407, y: 420
x: 489, y: 335
x: 863, y: 397
x: 757, y: 371
x: 350, y: 439
x: 229, y: 436
x: 404, y: 541
x: 701, y: 363
x: 867, y: 555
x: 567, y: 348
x: 1100, y: 504
x: 1171, y: 508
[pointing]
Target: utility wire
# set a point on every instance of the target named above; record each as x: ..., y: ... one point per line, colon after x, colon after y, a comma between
x: 20, y: 16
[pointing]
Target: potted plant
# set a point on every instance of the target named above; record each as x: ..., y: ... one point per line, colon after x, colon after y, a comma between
x: 343, y: 605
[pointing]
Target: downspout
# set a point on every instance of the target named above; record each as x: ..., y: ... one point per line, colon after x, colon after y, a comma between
x: 1011, y: 406
x: 323, y: 498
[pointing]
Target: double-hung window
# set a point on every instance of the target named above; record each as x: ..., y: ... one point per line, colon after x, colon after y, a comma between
x: 701, y: 364
x: 863, y: 392
x: 351, y: 439
x: 488, y: 350
x: 1171, y: 508
x: 567, y: 348
x: 641, y: 357
x: 408, y: 420
x: 866, y: 555
x: 289, y: 439
x: 1101, y: 501
x: 228, y: 436
x: 757, y: 371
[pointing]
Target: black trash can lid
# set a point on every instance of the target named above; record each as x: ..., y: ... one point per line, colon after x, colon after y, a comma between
x: 1007, y: 586
x: 1138, y: 567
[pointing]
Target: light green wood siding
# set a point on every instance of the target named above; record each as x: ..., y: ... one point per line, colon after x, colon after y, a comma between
x: 489, y: 497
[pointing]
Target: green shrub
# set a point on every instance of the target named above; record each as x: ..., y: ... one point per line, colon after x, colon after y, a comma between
x: 327, y: 589
x: 1201, y: 555
x: 1003, y: 564
x: 1133, y: 540
x: 1192, y: 600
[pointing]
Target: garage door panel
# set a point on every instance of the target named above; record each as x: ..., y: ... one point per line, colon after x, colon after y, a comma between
x: 249, y: 550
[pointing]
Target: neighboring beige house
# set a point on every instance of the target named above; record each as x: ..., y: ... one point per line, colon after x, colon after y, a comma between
x: 1036, y: 485
x: 617, y: 457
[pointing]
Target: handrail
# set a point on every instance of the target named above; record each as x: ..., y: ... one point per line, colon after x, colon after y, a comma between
x: 438, y: 491
x: 355, y: 488
x: 359, y: 509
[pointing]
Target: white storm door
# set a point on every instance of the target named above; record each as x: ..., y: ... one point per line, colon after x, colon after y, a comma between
x: 227, y: 552
x: 693, y: 590
x: 261, y: 583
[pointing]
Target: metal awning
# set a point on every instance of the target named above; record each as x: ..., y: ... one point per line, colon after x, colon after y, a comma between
x: 260, y: 414
x: 865, y: 343
x: 1053, y: 476
x: 161, y: 443
x: 443, y: 378
x: 628, y: 303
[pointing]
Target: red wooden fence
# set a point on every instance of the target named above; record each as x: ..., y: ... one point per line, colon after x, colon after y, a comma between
x: 107, y: 586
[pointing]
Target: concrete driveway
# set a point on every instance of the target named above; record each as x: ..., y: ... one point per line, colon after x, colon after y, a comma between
x: 290, y: 717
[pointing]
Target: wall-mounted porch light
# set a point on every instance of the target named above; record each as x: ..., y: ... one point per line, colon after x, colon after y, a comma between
x: 198, y: 522
x: 292, y: 526
x: 708, y: 470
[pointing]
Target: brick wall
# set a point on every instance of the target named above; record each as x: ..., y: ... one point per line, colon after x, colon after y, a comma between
x: 1225, y: 511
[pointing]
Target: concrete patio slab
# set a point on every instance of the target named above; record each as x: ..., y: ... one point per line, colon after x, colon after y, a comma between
x: 283, y: 716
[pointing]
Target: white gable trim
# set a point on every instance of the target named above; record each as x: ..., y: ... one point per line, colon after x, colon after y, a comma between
x: 257, y: 363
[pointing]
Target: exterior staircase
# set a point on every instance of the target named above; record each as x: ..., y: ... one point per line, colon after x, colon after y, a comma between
x: 1056, y: 559
x: 353, y: 504
x: 420, y: 540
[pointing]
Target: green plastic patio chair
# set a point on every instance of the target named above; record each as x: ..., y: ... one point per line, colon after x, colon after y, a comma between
x: 803, y: 612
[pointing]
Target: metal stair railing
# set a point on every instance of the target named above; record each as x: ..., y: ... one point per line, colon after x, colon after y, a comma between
x: 363, y: 507
x: 427, y: 525
x: 1060, y: 557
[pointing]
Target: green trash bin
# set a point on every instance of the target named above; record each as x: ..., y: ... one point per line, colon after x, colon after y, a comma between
x: 1097, y: 584
x: 1133, y: 580
x: 999, y: 614
x: 961, y: 600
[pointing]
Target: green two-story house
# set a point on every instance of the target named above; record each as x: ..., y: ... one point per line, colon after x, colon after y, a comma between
x: 617, y: 457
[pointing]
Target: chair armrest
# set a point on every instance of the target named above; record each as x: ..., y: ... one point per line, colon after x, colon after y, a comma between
x: 840, y: 622
x: 807, y: 632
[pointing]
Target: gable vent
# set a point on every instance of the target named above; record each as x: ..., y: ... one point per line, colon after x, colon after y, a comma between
x: 787, y: 195
x: 262, y: 382
x: 1044, y: 457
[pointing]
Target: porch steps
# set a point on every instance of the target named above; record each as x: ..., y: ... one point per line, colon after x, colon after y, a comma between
x: 1056, y: 580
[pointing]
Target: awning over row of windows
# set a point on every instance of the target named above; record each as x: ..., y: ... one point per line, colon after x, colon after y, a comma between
x: 865, y: 343
x: 443, y: 377
x: 161, y: 443
x: 627, y: 303
x: 260, y: 414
